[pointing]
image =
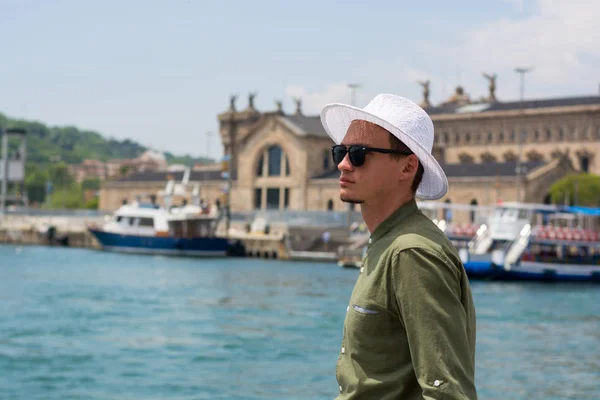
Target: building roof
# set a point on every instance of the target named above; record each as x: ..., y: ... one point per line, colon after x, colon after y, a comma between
x: 515, y: 105
x: 163, y: 176
x: 470, y: 170
x: 308, y: 125
x: 311, y: 125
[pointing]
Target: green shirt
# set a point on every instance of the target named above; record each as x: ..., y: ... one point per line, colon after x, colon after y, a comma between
x: 409, y: 331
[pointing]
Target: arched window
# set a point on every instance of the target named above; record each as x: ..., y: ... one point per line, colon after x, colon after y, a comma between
x: 260, y: 165
x: 473, y: 211
x: 326, y: 160
x: 275, y: 160
x: 274, y: 154
x: 584, y: 162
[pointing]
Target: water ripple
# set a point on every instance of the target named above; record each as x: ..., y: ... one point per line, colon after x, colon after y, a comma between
x: 78, y: 324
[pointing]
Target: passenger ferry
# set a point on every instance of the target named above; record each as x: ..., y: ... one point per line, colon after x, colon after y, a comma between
x: 146, y: 228
x: 536, y: 242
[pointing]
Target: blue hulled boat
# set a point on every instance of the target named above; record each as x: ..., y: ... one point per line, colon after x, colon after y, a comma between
x: 536, y: 243
x: 185, y: 230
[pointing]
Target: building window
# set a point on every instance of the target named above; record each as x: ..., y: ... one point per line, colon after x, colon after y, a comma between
x: 445, y: 138
x: 510, y: 156
x: 549, y: 134
x: 468, y: 138
x: 326, y: 160
x: 561, y: 134
x: 584, y: 162
x: 534, y: 155
x: 329, y: 205
x: 286, y: 198
x: 536, y: 135
x: 490, y: 137
x: 501, y: 137
x: 272, y: 198
x: 465, y: 158
x: 488, y: 158
x: 513, y: 136
x: 472, y: 212
x: 274, y: 156
x: 258, y: 198
x: 287, y: 166
x: 260, y: 165
x: 276, y: 162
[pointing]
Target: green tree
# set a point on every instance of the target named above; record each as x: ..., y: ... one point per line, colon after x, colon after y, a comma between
x: 60, y: 175
x: 67, y: 197
x: 35, y: 183
x: 91, y: 184
x: 577, y: 189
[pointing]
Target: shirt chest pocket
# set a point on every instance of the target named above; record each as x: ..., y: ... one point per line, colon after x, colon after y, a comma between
x: 367, y: 324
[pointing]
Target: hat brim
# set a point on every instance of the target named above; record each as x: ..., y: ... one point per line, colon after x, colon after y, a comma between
x: 336, y: 119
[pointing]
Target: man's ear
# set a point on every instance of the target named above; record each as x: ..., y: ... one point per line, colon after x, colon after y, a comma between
x: 411, y: 165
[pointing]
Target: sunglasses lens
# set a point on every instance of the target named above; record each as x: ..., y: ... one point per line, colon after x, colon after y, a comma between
x: 338, y: 152
x: 357, y: 156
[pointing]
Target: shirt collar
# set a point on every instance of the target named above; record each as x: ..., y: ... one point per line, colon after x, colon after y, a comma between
x: 393, y: 220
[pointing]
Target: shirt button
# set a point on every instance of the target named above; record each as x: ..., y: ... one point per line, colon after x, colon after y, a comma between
x: 340, y: 389
x: 347, y: 308
x: 362, y: 269
x: 370, y: 240
x: 436, y: 383
x: 343, y: 350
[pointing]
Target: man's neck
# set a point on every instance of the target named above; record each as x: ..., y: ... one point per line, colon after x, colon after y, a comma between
x: 376, y: 212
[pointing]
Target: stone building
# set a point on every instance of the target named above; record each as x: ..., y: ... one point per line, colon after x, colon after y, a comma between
x: 283, y: 161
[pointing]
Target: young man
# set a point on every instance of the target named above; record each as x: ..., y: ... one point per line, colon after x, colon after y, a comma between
x: 409, y: 331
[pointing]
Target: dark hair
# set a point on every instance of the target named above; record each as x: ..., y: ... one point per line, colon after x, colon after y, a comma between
x: 396, y: 144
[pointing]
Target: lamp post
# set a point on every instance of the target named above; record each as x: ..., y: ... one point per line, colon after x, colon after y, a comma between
x: 521, y: 71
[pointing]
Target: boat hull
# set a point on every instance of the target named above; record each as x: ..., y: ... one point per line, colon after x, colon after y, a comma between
x: 137, y: 244
x: 532, y: 271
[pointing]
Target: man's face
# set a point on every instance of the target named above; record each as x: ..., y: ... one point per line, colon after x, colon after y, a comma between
x: 379, y: 174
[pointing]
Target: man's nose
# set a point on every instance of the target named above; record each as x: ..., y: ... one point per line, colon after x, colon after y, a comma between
x: 346, y: 165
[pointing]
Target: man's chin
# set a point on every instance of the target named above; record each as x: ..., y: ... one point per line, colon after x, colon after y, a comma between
x: 351, y: 200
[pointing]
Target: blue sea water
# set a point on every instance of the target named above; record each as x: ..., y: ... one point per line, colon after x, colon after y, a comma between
x: 83, y: 324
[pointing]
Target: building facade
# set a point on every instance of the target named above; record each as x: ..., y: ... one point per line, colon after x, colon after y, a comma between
x: 491, y: 151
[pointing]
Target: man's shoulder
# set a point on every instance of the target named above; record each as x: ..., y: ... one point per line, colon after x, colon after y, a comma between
x: 424, y: 236
x: 419, y: 231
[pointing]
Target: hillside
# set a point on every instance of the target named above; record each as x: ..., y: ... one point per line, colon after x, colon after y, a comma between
x: 74, y: 145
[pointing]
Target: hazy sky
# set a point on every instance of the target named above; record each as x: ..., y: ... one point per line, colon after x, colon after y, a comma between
x: 159, y: 72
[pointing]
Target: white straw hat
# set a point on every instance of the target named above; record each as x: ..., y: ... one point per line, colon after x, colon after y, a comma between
x: 405, y: 120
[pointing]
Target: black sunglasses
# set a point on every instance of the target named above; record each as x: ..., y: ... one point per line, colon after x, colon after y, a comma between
x: 357, y: 154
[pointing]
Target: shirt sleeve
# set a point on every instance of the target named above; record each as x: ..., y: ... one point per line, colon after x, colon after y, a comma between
x: 428, y: 295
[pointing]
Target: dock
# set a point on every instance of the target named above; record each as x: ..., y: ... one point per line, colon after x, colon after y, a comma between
x: 277, y: 242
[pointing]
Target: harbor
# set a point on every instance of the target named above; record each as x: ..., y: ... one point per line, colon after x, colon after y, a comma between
x: 205, y: 202
x: 79, y: 323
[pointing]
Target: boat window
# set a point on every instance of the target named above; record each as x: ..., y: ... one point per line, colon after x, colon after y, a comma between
x: 146, y: 222
x: 119, y: 218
